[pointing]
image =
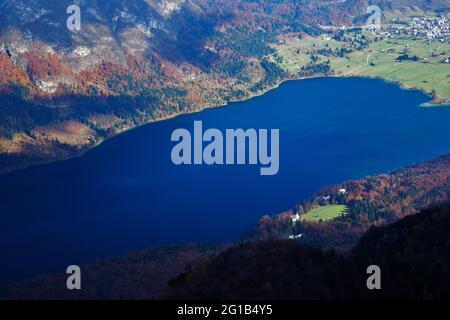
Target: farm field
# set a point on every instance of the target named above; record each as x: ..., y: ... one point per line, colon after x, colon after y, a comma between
x: 378, y: 59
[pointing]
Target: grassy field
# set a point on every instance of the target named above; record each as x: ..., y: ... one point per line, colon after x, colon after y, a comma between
x: 325, y: 213
x: 378, y: 60
x: 427, y: 74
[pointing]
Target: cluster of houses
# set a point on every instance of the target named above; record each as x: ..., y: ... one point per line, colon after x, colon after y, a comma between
x: 433, y: 28
x: 322, y: 201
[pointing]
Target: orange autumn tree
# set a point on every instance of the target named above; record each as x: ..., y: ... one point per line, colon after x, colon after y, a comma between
x: 11, y: 73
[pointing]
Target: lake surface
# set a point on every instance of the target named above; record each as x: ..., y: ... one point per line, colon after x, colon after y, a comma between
x: 127, y: 195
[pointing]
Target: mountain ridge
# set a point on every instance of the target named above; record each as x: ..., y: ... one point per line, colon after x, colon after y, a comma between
x: 136, y: 62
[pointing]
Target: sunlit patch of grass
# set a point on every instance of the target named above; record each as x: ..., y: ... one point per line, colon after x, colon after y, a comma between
x: 325, y: 213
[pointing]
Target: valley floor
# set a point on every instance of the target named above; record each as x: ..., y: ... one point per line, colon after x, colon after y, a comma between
x: 430, y: 73
x: 374, y: 201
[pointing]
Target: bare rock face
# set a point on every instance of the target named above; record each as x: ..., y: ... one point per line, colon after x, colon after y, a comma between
x: 109, y: 30
x: 166, y: 7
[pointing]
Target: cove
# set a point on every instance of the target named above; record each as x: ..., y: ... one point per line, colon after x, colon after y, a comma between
x: 127, y: 194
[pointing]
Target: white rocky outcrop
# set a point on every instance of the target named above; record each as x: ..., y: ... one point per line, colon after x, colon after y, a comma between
x: 82, y: 51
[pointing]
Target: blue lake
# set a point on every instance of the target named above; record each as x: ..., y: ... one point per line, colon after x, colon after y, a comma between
x: 127, y: 195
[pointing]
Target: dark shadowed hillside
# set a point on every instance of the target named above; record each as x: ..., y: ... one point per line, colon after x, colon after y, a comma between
x: 267, y: 270
x: 140, y: 275
x: 413, y: 254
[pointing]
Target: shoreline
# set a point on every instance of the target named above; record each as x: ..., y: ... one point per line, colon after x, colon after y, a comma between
x: 88, y: 148
x: 220, y: 244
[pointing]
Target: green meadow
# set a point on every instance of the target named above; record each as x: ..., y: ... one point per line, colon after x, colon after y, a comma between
x: 325, y: 213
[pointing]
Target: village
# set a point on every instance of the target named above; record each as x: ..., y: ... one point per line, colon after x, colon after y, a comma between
x: 432, y: 28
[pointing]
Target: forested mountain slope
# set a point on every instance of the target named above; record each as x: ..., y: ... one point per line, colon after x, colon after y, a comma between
x: 133, y: 62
